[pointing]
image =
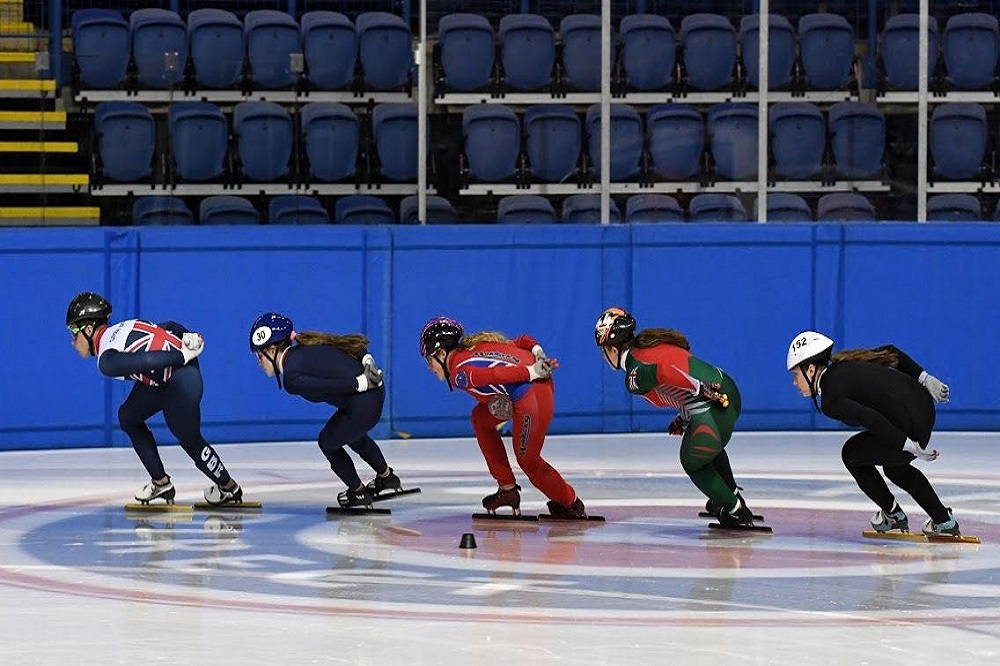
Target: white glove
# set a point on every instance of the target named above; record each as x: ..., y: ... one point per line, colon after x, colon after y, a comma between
x: 192, y: 344
x: 938, y: 389
x: 542, y: 368
x: 373, y: 373
x: 538, y: 352
x: 912, y: 447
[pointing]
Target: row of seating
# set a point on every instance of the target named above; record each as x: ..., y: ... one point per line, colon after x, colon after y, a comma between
x: 218, y: 43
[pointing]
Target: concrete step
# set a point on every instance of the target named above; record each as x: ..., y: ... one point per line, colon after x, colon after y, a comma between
x: 43, y: 182
x: 39, y: 147
x: 50, y: 216
x: 33, y: 120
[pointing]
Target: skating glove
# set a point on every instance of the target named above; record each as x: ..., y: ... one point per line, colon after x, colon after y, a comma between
x: 677, y: 426
x: 912, y: 447
x: 542, y: 368
x: 539, y: 353
x: 713, y: 393
x: 192, y: 344
x: 938, y: 389
x: 372, y: 371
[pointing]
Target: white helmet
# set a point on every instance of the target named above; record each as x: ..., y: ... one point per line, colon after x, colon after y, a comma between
x: 807, y: 345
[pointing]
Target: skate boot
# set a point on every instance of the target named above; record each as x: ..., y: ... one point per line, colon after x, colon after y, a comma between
x: 153, y: 490
x: 217, y: 495
x: 947, y: 528
x: 712, y: 508
x: 894, y: 520
x: 504, y: 497
x: 739, y: 516
x: 364, y: 495
x: 574, y: 510
x: 389, y: 482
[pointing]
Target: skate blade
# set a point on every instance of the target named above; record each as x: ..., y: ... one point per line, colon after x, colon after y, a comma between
x: 570, y: 519
x: 706, y: 514
x: 239, y: 506
x: 510, y: 517
x: 920, y: 536
x: 763, y: 529
x: 159, y: 508
x: 356, y: 511
x: 395, y: 493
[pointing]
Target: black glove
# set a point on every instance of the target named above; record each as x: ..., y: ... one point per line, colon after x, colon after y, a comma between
x: 677, y: 426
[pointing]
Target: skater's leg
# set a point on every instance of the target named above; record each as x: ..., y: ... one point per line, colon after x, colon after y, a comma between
x: 364, y: 412
x: 182, y: 412
x: 861, y: 453
x: 485, y: 425
x: 701, y: 445
x: 532, y: 416
x: 913, y: 481
x: 141, y: 404
x: 725, y: 469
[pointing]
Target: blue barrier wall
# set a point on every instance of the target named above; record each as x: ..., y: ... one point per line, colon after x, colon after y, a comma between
x: 740, y: 293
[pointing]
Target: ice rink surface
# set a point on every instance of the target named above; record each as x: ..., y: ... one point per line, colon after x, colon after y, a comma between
x: 84, y: 582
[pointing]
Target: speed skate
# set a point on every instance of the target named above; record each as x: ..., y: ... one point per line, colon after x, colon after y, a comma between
x: 920, y: 537
x: 361, y: 509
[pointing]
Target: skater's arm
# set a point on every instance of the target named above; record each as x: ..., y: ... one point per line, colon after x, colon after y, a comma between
x: 298, y: 382
x: 938, y: 389
x: 115, y: 363
x: 852, y: 412
x: 640, y: 378
x: 525, y: 342
x: 482, y: 376
x: 906, y: 364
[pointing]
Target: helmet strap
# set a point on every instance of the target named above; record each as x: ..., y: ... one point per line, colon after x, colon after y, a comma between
x: 278, y: 349
x: 607, y: 357
x: 444, y: 368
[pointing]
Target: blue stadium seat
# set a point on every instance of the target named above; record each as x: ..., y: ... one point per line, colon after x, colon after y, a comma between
x: 781, y: 50
x: 330, y: 133
x: 528, y: 50
x: 217, y: 46
x: 586, y: 209
x: 717, y: 208
x: 395, y: 129
x: 732, y: 131
x: 161, y: 211
x: 581, y: 57
x: 798, y: 138
x: 296, y: 209
x: 826, y: 47
x: 552, y: 141
x: 362, y: 209
x: 468, y: 50
x: 126, y: 137
x: 653, y: 208
x: 857, y: 136
x: 199, y: 140
x: 626, y: 141
x: 263, y: 132
x: 439, y: 210
x: 156, y: 32
x: 676, y: 140
x: 385, y: 49
x: 787, y: 207
x: 954, y: 208
x: 845, y: 207
x: 971, y: 44
x: 958, y: 137
x: 227, y: 209
x: 649, y: 51
x: 330, y: 49
x: 709, y: 42
x: 101, y: 46
x: 525, y: 209
x: 271, y: 38
x: 492, y: 137
x: 899, y: 50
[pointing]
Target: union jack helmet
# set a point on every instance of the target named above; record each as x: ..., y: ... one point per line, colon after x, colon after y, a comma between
x: 614, y: 328
x: 440, y: 333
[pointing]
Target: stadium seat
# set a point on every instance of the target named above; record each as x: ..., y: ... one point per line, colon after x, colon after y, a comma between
x: 525, y: 209
x: 395, y: 129
x: 263, y: 132
x: 826, y: 47
x: 297, y: 209
x: 199, y: 140
x: 781, y: 50
x: 160, y: 211
x: 709, y: 42
x: 330, y: 134
x: 385, y: 50
x: 845, y: 207
x: 626, y: 141
x: 717, y: 208
x: 552, y: 141
x: 653, y: 208
x: 330, y: 49
x: 954, y: 208
x: 216, y: 40
x: 271, y: 37
x: 676, y: 140
x: 468, y: 50
x: 798, y: 139
x: 101, y: 46
x: 787, y: 207
x: 958, y: 138
x: 581, y: 57
x: 492, y: 139
x: 970, y: 48
x: 586, y: 209
x: 227, y: 210
x: 899, y: 50
x: 155, y: 33
x: 125, y: 137
x: 439, y: 210
x: 362, y: 209
x: 649, y: 51
x: 732, y: 131
x: 857, y: 136
x: 528, y: 51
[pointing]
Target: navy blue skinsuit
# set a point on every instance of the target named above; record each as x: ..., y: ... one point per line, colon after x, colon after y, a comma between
x: 323, y: 373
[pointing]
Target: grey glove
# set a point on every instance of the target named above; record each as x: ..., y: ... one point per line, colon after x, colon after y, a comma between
x: 542, y: 368
x: 913, y: 447
x: 192, y: 345
x: 373, y: 374
x: 938, y: 389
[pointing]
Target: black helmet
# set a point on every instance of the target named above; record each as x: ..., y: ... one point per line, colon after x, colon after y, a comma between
x: 87, y: 308
x: 615, y: 328
x: 440, y: 333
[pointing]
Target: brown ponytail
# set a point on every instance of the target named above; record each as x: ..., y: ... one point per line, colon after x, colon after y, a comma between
x: 468, y: 341
x: 879, y: 356
x: 650, y: 337
x: 353, y: 344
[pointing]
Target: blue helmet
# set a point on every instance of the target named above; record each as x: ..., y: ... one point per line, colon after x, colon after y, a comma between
x: 269, y: 329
